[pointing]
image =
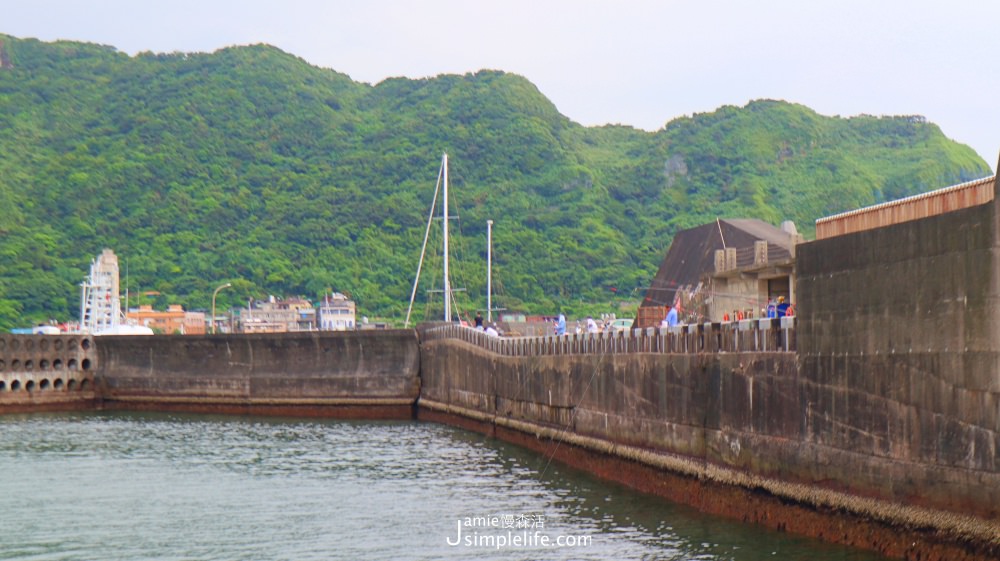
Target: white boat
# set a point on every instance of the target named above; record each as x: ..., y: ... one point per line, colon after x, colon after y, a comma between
x: 125, y: 329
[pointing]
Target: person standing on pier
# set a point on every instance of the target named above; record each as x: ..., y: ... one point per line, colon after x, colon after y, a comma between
x: 671, y: 319
x: 782, y: 308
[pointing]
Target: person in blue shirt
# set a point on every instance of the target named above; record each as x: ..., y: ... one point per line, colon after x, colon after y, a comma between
x: 561, y: 325
x: 782, y: 308
x: 772, y: 309
x: 672, y: 316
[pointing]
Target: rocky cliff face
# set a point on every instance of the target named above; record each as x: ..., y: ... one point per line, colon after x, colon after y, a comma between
x: 4, y: 57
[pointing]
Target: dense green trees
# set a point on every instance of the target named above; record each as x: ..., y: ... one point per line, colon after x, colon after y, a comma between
x: 250, y: 165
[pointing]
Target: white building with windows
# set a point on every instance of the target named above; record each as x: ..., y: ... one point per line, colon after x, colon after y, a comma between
x: 336, y: 313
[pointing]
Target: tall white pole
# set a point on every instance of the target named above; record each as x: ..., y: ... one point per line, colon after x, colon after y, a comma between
x: 447, y: 283
x: 489, y: 270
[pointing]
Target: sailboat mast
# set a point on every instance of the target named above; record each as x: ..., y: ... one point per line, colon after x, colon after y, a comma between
x: 489, y: 270
x: 423, y: 249
x: 447, y: 283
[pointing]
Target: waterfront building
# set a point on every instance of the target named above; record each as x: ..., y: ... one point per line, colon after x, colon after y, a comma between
x: 172, y: 321
x: 336, y: 312
x: 277, y: 316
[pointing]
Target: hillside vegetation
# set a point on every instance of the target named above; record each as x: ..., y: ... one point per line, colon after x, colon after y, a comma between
x: 249, y: 165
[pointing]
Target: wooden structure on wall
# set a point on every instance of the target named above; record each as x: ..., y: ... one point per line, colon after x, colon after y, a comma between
x: 952, y: 198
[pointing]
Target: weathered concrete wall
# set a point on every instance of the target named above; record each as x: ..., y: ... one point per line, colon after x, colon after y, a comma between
x: 744, y: 420
x: 361, y: 374
x: 46, y: 372
x: 900, y: 356
x: 698, y: 405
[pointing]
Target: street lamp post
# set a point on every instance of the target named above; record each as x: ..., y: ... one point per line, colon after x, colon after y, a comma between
x: 214, y: 294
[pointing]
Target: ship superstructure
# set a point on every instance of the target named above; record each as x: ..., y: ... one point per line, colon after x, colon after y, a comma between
x: 100, y: 308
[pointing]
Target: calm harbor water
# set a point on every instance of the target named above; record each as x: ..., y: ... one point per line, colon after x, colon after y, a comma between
x: 115, y: 486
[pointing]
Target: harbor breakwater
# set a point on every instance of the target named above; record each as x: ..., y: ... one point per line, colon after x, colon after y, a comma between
x: 717, y: 416
x: 745, y: 434
x: 361, y: 374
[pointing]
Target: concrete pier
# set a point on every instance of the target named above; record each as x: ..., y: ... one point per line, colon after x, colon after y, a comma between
x: 362, y: 374
x: 732, y: 433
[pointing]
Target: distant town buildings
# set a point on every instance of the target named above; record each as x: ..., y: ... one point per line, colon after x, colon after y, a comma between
x: 101, y: 312
x: 335, y: 313
x: 173, y: 321
x: 277, y: 316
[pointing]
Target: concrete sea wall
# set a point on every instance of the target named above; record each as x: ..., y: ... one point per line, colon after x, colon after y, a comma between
x: 900, y: 356
x: 363, y: 374
x: 737, y: 433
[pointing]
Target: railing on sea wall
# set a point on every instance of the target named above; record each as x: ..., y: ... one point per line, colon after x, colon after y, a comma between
x: 764, y: 335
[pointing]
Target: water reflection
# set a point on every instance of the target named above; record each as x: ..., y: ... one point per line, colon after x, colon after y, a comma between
x: 132, y: 486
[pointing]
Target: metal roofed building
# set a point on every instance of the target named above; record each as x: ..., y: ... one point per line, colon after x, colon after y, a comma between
x: 721, y: 266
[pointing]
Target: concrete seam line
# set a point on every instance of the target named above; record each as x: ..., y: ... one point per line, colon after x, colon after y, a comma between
x: 455, y: 410
x: 958, y: 525
x: 265, y: 401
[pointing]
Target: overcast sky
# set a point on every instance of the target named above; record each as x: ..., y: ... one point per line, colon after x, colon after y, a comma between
x: 639, y: 63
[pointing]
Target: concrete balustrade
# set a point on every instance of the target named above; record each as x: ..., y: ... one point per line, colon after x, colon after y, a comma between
x: 45, y: 362
x: 67, y: 382
x: 46, y: 372
x: 764, y: 335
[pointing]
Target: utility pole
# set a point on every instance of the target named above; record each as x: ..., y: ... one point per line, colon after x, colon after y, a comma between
x: 447, y: 282
x: 489, y: 270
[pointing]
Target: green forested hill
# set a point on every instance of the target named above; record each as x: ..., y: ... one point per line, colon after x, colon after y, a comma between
x: 249, y: 165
